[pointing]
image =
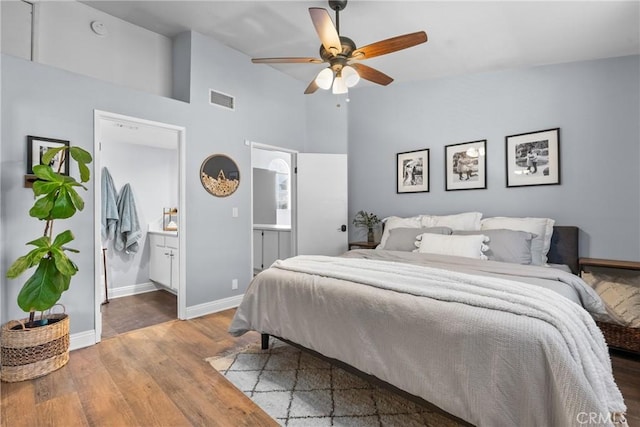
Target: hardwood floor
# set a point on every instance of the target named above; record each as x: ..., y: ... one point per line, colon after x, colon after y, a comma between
x: 138, y: 311
x: 157, y: 376
x: 626, y: 370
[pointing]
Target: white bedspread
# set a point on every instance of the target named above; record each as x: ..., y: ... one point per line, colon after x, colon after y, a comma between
x: 489, y: 350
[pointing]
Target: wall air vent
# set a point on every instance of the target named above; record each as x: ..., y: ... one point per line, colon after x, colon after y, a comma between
x: 222, y: 99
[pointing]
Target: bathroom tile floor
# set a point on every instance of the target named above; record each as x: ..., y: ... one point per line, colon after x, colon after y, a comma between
x: 133, y: 312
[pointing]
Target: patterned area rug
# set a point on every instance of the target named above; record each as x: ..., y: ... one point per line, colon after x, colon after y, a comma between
x: 298, y: 389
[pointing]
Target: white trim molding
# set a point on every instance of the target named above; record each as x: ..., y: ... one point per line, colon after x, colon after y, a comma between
x: 139, y: 288
x: 82, y: 339
x: 99, y: 117
x: 213, y: 306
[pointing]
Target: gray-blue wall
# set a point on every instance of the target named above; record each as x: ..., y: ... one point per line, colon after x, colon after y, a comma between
x: 270, y: 110
x: 49, y: 102
x: 595, y: 104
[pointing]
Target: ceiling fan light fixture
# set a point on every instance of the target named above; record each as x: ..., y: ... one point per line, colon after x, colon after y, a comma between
x: 337, y: 51
x: 350, y: 76
x: 324, y: 79
x: 339, y: 86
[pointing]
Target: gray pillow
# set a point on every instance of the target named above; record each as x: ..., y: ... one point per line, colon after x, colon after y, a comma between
x: 404, y: 239
x: 506, y: 245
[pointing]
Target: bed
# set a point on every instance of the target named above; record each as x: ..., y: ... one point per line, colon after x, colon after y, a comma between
x: 488, y: 342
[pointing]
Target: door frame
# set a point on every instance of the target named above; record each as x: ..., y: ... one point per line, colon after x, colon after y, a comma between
x: 98, y: 117
x: 293, y: 189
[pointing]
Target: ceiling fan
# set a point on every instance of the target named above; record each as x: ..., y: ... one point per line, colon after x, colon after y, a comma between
x: 342, y: 55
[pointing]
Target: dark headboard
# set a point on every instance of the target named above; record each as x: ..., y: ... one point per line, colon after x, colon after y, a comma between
x: 564, y: 247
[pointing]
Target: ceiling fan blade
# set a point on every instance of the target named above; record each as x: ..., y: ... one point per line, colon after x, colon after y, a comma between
x: 311, y: 88
x: 326, y: 30
x: 372, y: 74
x: 390, y: 45
x: 286, y: 60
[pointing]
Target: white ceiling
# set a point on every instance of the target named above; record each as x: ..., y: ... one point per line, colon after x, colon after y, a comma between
x: 464, y: 36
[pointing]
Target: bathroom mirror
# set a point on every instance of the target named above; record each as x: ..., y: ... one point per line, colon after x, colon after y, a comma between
x: 219, y: 175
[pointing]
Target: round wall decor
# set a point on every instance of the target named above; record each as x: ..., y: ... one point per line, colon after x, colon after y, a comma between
x: 219, y: 175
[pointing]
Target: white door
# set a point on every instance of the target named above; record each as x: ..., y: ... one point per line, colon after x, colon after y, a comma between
x: 321, y: 204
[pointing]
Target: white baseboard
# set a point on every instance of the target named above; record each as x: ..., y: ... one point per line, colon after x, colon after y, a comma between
x: 82, y: 339
x: 126, y: 291
x: 213, y: 306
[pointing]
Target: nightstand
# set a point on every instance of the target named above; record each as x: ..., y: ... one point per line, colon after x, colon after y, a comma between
x: 363, y: 245
x: 608, y: 263
x: 617, y: 336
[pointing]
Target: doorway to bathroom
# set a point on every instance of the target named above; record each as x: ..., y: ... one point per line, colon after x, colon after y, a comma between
x: 139, y: 235
x: 273, y: 215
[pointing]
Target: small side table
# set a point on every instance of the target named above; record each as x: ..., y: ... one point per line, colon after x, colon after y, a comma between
x: 608, y: 263
x: 618, y: 337
x: 363, y: 245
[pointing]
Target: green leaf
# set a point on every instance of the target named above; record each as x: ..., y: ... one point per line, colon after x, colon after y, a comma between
x: 85, y: 173
x: 36, y: 255
x: 63, y: 263
x: 42, y: 290
x: 31, y: 259
x: 41, y: 242
x: 76, y: 199
x: 44, y: 187
x: 46, y: 173
x: 62, y: 238
x: 18, y: 267
x: 80, y: 155
x: 42, y: 207
x: 66, y: 280
x: 51, y: 153
x: 63, y: 205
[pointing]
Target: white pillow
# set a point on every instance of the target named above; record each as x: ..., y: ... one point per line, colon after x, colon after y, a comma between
x: 462, y: 221
x: 465, y: 246
x: 392, y: 222
x: 541, y: 227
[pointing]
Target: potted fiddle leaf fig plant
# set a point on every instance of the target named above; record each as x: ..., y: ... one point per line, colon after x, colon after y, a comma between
x: 56, y: 198
x: 368, y: 220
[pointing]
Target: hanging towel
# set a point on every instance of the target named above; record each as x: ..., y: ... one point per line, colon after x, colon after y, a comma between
x: 109, y: 213
x: 128, y: 230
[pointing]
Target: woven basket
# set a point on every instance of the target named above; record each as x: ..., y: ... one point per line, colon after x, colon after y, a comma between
x: 28, y: 353
x: 620, y: 337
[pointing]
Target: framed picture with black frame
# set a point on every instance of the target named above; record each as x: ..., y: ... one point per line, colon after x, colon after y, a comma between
x: 36, y: 148
x: 533, y: 158
x: 465, y: 165
x: 413, y: 171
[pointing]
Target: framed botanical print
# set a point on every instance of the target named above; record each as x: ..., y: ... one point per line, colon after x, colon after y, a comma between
x: 465, y: 165
x: 412, y: 171
x: 533, y: 158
